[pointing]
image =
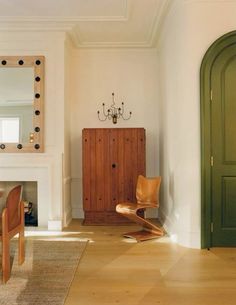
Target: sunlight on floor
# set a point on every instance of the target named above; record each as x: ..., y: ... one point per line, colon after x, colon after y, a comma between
x: 57, y: 235
x: 87, y: 236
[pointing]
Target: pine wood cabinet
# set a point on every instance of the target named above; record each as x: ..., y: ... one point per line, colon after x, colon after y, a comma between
x: 112, y: 160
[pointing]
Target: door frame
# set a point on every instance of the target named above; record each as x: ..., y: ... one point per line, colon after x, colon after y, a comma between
x: 205, y: 113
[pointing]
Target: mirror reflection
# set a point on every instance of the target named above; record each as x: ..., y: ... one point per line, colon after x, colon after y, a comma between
x: 16, y: 104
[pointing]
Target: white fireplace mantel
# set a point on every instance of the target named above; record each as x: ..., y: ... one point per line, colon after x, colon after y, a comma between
x: 45, y: 169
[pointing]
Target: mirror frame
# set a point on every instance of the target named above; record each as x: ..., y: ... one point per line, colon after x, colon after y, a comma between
x: 37, y: 63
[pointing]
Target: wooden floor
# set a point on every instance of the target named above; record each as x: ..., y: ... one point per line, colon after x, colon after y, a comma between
x: 114, y: 270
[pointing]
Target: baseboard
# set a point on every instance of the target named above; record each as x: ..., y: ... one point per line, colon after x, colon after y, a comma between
x: 77, y: 213
x: 165, y: 221
x: 184, y: 238
x: 67, y: 217
x: 54, y: 225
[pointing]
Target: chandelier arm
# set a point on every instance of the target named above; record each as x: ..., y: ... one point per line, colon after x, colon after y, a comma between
x: 127, y: 117
x: 113, y: 100
x: 103, y: 109
x: 122, y: 109
x: 102, y: 120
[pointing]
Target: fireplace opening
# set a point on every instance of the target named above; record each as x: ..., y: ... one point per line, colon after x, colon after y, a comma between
x: 29, y: 198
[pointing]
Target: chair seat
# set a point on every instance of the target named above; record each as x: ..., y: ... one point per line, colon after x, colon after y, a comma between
x: 129, y: 207
x: 126, y: 207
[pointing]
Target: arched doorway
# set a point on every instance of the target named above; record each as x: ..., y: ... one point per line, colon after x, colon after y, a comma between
x: 218, y: 143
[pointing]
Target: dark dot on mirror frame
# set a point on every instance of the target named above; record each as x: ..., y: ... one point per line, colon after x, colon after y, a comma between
x: 37, y: 112
x: 4, y: 62
x: 38, y: 62
x: 37, y: 79
x: 37, y: 95
x: 21, y: 62
x: 36, y: 146
x: 37, y: 129
x: 2, y: 146
x: 19, y: 146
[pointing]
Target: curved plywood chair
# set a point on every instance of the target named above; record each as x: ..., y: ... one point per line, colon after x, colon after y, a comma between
x: 12, y: 223
x: 147, y: 195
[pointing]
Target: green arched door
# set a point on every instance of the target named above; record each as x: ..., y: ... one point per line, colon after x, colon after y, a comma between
x: 218, y: 114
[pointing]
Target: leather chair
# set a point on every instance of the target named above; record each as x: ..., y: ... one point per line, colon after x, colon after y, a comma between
x: 147, y: 195
x: 12, y: 223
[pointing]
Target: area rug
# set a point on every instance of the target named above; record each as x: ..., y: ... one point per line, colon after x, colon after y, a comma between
x: 45, y: 276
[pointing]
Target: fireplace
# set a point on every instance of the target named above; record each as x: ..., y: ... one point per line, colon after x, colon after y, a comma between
x: 36, y: 190
x: 44, y: 170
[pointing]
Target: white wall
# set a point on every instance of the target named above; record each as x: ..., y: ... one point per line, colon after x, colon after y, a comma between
x: 189, y: 29
x: 132, y: 76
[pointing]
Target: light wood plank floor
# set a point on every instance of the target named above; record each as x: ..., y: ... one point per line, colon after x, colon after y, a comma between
x: 114, y: 270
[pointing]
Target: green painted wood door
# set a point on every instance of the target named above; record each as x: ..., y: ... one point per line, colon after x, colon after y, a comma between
x: 223, y: 148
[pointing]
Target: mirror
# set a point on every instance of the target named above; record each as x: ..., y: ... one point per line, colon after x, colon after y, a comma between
x: 21, y: 103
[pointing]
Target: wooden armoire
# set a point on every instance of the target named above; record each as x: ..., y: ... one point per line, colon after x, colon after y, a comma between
x: 112, y: 160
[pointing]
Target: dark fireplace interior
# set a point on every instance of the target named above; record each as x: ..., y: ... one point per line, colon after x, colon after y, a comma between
x: 29, y: 197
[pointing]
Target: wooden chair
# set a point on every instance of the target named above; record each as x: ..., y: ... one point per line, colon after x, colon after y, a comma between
x: 147, y: 195
x: 12, y: 222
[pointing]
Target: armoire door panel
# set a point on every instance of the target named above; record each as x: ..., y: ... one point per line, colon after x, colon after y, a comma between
x: 141, y: 141
x: 102, y: 174
x: 128, y: 165
x: 116, y: 157
x: 87, y: 156
x: 92, y: 181
x: 114, y: 166
x: 121, y: 173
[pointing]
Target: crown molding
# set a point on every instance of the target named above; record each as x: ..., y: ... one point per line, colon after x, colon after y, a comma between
x: 101, y: 44
x: 150, y: 42
x: 71, y: 26
x: 55, y: 23
x: 52, y: 23
x: 158, y: 22
x: 67, y: 20
x: 35, y: 24
x: 77, y: 40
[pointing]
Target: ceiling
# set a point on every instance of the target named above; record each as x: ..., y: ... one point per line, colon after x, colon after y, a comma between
x: 91, y: 23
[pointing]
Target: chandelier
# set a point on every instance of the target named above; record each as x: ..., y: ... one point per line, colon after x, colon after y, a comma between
x: 113, y: 113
